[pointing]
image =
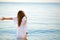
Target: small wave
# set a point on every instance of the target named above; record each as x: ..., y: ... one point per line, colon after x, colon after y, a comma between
x: 44, y: 31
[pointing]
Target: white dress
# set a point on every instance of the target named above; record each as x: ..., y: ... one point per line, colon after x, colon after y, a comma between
x: 21, y: 31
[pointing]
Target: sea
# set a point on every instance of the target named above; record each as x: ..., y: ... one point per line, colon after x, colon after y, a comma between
x: 43, y: 20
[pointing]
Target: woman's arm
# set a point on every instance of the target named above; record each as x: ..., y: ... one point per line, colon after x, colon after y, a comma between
x: 3, y: 18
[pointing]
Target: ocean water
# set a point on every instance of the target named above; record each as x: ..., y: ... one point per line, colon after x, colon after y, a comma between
x: 43, y: 20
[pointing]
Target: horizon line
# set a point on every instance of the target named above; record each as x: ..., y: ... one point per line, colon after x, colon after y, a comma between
x: 29, y: 2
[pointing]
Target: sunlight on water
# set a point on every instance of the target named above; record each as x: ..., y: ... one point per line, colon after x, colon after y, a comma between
x: 43, y: 20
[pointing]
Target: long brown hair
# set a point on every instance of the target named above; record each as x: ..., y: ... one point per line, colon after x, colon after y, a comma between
x: 20, y: 15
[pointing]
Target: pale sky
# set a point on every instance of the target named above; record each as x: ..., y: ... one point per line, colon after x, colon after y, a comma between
x: 30, y: 1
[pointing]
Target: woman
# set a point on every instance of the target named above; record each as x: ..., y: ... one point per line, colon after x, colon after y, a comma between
x: 21, y: 20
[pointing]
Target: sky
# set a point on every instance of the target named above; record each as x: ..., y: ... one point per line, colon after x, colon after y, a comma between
x: 29, y: 0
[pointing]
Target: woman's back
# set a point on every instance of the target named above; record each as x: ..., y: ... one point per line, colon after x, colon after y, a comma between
x: 21, y: 31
